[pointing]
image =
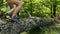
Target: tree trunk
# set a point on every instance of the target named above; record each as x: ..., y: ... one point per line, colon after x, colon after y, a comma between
x: 21, y: 25
x: 54, y: 10
x: 51, y: 11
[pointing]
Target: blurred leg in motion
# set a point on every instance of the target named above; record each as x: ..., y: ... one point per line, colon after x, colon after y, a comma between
x: 15, y: 10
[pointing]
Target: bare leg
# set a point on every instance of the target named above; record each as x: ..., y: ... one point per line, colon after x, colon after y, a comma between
x: 14, y: 10
x: 17, y: 9
x: 11, y: 11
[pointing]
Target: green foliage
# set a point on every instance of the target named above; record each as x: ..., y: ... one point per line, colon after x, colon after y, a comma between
x: 39, y: 8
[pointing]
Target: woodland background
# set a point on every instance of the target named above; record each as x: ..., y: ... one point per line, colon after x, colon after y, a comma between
x: 39, y: 8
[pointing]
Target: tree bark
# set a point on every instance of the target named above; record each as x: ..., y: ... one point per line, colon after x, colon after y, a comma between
x: 25, y: 24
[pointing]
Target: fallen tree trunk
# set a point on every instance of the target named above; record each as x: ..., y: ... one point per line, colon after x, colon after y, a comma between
x: 25, y: 24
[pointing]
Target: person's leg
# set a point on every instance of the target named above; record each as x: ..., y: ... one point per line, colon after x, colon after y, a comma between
x: 11, y: 11
x: 18, y: 6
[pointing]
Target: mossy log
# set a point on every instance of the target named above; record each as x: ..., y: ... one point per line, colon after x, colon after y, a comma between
x: 21, y: 25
